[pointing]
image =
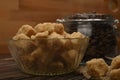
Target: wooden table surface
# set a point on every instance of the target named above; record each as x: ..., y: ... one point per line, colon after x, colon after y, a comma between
x: 10, y: 71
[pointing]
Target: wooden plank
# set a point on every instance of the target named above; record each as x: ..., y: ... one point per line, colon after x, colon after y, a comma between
x: 7, y: 5
x: 4, y: 15
x: 38, y: 16
x: 4, y: 56
x: 49, y: 5
x: 64, y: 5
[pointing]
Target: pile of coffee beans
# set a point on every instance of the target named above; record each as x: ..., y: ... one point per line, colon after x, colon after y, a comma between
x: 102, y: 41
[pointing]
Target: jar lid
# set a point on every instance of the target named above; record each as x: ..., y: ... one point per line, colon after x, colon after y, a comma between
x: 89, y: 17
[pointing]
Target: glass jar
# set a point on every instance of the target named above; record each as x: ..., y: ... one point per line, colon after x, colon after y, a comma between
x: 101, y: 30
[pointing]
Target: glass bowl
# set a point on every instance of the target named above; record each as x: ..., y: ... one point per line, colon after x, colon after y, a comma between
x: 48, y: 56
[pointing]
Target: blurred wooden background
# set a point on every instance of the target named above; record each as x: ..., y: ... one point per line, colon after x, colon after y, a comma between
x: 14, y: 13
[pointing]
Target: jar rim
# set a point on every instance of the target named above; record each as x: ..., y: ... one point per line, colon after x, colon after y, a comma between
x: 86, y: 17
x: 87, y: 20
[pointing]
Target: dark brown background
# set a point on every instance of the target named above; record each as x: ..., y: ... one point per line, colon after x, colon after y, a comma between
x: 14, y: 13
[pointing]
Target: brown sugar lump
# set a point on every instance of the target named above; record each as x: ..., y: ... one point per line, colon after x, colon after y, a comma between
x: 55, y: 35
x: 59, y: 28
x: 66, y: 42
x: 28, y: 62
x: 79, y: 39
x: 56, y: 66
x: 50, y: 27
x: 42, y: 43
x: 115, y: 74
x: 76, y: 35
x: 27, y: 30
x: 54, y: 45
x: 66, y: 35
x: 44, y: 27
x: 20, y: 36
x: 39, y: 54
x: 115, y: 63
x: 42, y: 57
x: 96, y: 67
x: 24, y: 46
x: 69, y: 58
x: 68, y: 45
x: 41, y: 61
x: 40, y: 35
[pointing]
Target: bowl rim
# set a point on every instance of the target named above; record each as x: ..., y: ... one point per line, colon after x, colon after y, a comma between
x: 50, y: 38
